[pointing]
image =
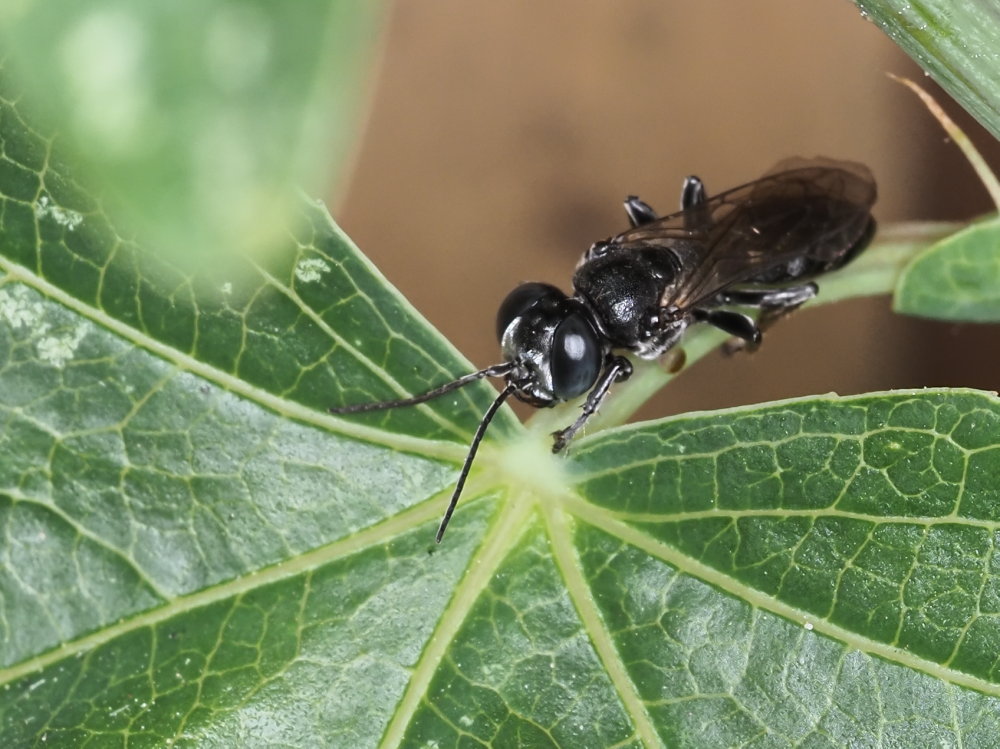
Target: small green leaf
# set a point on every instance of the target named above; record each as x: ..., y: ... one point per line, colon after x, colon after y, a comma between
x: 956, y: 279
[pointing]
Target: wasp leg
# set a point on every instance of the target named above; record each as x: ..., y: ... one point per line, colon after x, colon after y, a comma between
x: 790, y: 296
x: 693, y: 203
x: 596, y: 250
x: 692, y: 193
x: 619, y: 369
x: 639, y: 211
x: 735, y: 323
x: 774, y: 304
x: 692, y: 198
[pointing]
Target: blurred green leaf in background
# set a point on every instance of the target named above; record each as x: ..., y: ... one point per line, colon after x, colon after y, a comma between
x: 196, y: 120
x: 956, y: 43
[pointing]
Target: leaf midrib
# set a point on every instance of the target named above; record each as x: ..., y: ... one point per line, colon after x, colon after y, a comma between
x: 593, y: 623
x: 599, y: 518
x: 818, y: 513
x: 373, y: 536
x: 434, y: 449
x: 502, y: 535
x: 339, y: 340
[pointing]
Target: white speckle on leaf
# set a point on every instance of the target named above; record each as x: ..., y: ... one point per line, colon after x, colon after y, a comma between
x: 58, y: 349
x: 311, y: 269
x: 465, y: 720
x: 17, y: 310
x: 227, y: 288
x: 808, y: 625
x: 45, y: 208
x: 104, y: 58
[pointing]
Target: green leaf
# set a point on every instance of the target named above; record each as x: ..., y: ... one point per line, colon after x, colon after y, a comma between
x: 956, y: 279
x: 956, y: 42
x: 199, y: 118
x: 195, y: 553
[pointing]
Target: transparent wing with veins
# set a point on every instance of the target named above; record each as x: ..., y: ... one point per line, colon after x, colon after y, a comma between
x: 803, y: 210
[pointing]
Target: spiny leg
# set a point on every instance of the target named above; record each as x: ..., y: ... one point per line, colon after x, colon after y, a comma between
x: 619, y: 369
x: 792, y: 296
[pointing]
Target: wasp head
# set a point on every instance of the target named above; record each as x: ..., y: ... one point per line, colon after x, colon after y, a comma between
x: 551, y: 342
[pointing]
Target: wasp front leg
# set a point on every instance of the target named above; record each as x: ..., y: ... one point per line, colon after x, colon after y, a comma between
x: 618, y: 369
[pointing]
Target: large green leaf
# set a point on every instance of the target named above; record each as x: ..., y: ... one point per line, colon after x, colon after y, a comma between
x: 195, y: 553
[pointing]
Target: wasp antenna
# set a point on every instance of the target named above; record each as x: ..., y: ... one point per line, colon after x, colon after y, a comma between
x: 497, y: 370
x: 473, y: 448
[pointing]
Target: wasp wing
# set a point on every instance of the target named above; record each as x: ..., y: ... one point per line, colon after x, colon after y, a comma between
x: 803, y: 214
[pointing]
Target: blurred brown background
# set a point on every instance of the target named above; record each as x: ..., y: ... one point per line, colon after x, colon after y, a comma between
x: 502, y: 138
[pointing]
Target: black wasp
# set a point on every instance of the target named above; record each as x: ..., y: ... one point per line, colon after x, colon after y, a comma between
x: 753, y: 246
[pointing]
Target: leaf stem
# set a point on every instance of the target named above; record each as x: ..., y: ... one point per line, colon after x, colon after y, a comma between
x: 983, y: 171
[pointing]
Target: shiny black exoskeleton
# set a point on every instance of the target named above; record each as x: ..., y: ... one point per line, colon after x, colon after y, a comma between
x: 638, y: 291
x: 755, y: 246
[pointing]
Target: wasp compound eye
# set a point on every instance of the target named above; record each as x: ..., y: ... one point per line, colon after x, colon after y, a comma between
x: 576, y: 357
x: 521, y: 299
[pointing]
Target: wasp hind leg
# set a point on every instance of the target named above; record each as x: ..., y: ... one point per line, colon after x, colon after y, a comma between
x: 789, y: 296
